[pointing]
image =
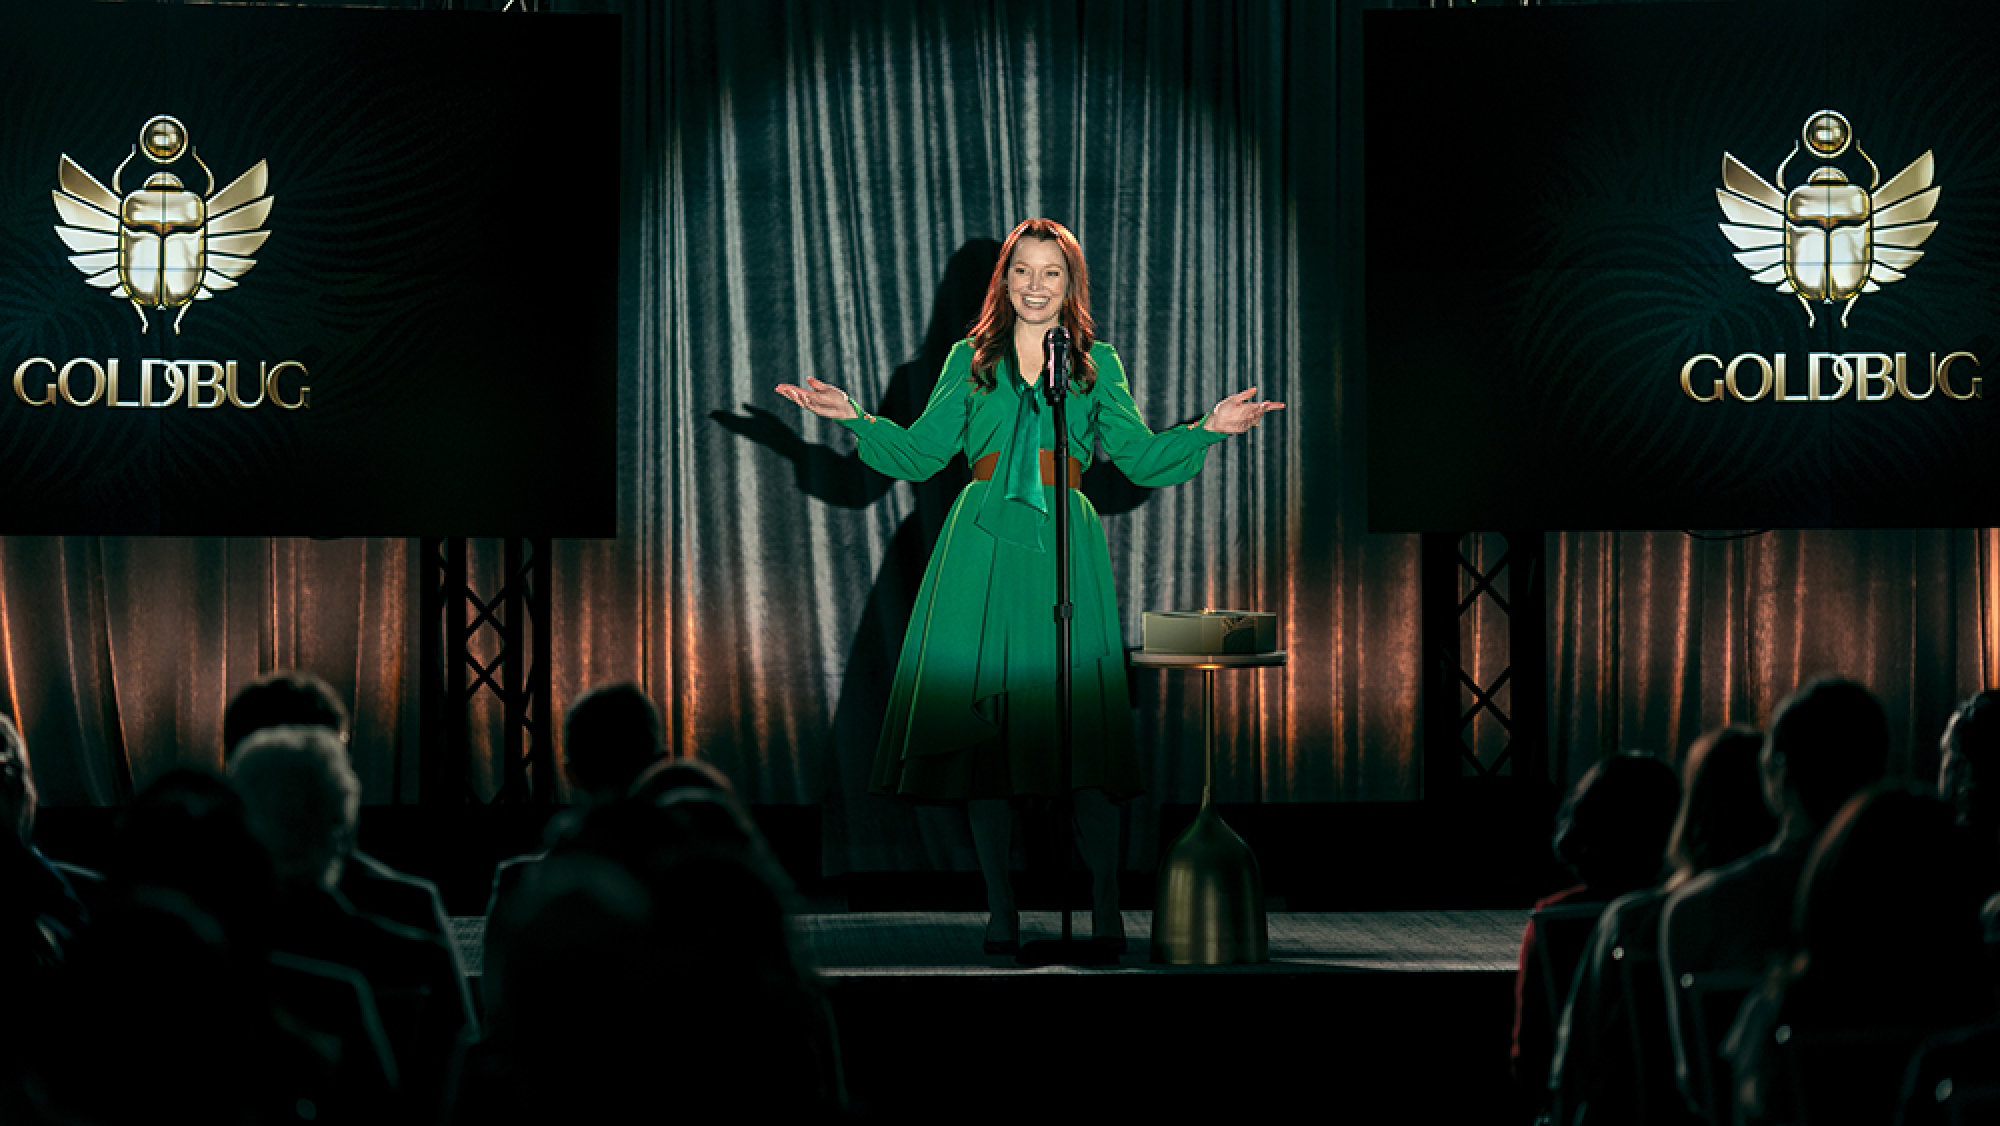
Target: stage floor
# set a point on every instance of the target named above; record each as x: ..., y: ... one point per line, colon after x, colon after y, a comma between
x: 931, y: 942
x: 922, y: 943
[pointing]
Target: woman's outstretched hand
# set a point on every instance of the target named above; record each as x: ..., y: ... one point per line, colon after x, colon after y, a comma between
x: 1237, y: 413
x: 823, y: 399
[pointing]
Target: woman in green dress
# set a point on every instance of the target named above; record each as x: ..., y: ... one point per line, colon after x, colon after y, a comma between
x: 972, y: 714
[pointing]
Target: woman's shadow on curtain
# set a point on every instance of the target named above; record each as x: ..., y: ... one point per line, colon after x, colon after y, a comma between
x: 860, y: 830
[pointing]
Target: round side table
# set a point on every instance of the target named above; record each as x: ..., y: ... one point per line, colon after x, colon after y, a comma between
x: 1210, y: 907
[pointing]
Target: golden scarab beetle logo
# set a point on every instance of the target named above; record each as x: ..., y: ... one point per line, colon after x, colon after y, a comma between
x: 1828, y: 239
x: 162, y: 246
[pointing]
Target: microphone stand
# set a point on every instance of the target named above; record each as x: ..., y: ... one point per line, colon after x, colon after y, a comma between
x: 1055, y: 388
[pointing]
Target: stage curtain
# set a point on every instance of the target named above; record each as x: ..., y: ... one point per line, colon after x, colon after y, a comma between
x: 818, y: 190
x: 1658, y: 636
x: 121, y: 653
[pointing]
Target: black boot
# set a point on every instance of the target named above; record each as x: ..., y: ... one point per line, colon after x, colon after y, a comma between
x: 1096, y: 820
x: 993, y: 839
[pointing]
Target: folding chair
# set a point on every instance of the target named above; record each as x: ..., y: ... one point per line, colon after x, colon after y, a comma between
x: 1713, y: 1000
x: 1563, y: 933
x: 1646, y: 1027
x: 1846, y: 1075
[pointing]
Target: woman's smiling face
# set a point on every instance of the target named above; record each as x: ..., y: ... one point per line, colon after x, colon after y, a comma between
x: 1037, y: 281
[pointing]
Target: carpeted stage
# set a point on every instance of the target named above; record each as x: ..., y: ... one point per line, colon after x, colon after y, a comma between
x: 1387, y: 1016
x: 927, y: 943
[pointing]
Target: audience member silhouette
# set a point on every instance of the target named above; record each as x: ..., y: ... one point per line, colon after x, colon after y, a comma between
x: 1955, y: 1076
x: 1969, y: 762
x: 40, y: 910
x: 1969, y: 782
x: 1887, y: 951
x: 611, y: 737
x: 656, y: 929
x: 1828, y: 740
x: 165, y: 1019
x: 1613, y: 1063
x: 302, y: 801
x: 659, y: 930
x: 41, y: 918
x: 661, y: 823
x: 185, y: 874
x: 188, y: 831
x: 291, y: 697
x: 1612, y: 833
x: 669, y: 774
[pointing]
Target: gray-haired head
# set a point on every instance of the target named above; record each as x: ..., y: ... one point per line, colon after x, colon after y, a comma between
x: 302, y: 800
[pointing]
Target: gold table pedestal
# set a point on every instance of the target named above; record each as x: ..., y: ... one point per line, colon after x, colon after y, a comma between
x: 1210, y: 907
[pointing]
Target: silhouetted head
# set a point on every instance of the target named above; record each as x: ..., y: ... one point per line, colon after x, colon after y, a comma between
x: 653, y: 831
x: 721, y: 909
x: 1828, y: 740
x: 1613, y: 828
x: 17, y: 782
x: 611, y: 736
x: 285, y: 698
x: 582, y: 948
x: 1723, y: 815
x: 302, y: 800
x: 1888, y: 897
x: 187, y: 830
x: 993, y: 334
x: 1969, y: 765
x: 670, y: 774
x: 612, y: 970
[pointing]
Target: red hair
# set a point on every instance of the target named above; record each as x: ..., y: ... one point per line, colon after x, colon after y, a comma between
x: 993, y: 333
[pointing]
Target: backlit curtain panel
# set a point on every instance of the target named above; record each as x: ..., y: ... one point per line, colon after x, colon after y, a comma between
x: 1657, y: 636
x: 121, y: 652
x: 821, y: 193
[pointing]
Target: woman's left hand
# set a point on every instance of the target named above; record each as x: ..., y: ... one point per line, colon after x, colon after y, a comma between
x: 1239, y: 412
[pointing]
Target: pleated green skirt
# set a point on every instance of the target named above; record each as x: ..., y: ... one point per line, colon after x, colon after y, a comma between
x: 973, y: 710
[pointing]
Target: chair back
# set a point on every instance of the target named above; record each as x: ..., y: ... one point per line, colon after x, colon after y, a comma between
x: 1653, y: 1086
x: 1846, y: 1075
x: 1562, y: 933
x: 336, y: 1001
x: 1712, y: 1001
x: 1969, y: 1104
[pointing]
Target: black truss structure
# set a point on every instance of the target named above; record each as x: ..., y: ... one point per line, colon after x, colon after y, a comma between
x: 518, y: 675
x: 1451, y: 584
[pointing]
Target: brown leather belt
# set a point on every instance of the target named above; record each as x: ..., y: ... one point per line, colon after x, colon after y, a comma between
x: 982, y: 470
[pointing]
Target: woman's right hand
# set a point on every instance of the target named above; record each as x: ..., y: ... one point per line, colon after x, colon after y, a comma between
x: 823, y: 399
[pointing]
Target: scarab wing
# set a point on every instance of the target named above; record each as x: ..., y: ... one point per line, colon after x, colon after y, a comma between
x: 236, y: 216
x: 1902, y: 219
x: 1756, y: 227
x: 89, y: 214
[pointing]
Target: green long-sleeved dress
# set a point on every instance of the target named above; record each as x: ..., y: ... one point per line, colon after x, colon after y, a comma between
x: 973, y: 709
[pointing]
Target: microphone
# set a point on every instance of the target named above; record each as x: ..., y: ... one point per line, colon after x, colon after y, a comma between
x: 1055, y: 369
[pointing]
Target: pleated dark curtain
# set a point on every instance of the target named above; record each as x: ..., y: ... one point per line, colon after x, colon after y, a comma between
x: 822, y: 191
x: 1655, y: 637
x: 817, y: 189
x: 120, y: 653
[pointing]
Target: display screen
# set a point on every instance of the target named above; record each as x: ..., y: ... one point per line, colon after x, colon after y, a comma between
x: 281, y: 271
x: 1704, y: 266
